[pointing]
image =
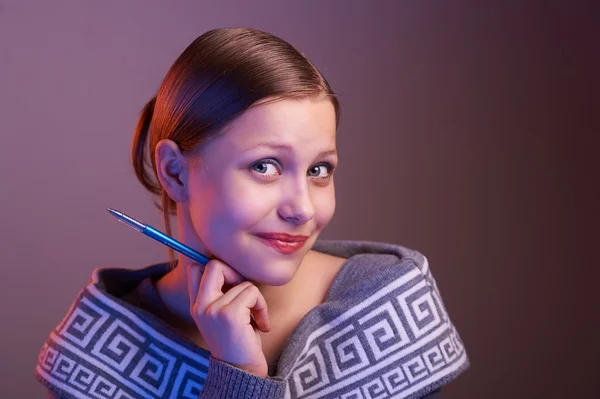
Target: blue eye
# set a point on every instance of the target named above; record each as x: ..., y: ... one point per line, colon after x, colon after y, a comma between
x: 267, y: 167
x: 321, y: 171
x: 272, y: 168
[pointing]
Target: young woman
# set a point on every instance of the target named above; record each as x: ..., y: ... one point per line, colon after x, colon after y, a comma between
x: 241, y: 140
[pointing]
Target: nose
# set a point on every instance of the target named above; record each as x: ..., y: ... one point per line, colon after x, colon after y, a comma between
x: 297, y: 206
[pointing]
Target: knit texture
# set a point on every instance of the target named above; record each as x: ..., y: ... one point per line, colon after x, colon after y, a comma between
x: 225, y: 381
x: 382, y: 331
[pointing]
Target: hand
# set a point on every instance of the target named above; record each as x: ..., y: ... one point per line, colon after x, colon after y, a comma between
x: 225, y: 319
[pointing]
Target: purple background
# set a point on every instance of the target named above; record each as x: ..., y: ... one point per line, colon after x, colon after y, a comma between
x: 466, y: 133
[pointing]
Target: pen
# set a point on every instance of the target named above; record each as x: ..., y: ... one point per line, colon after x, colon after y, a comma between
x: 159, y: 236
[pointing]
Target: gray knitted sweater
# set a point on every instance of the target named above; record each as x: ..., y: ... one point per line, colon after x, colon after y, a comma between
x: 381, y: 332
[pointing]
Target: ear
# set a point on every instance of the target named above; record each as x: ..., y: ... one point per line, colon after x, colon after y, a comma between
x: 172, y: 169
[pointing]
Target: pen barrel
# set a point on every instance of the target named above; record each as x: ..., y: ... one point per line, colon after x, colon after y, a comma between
x: 177, y: 246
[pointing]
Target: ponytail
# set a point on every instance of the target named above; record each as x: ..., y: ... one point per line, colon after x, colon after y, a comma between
x: 138, y: 153
x: 140, y: 164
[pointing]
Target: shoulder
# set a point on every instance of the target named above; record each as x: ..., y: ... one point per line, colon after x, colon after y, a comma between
x: 104, y: 341
x: 371, y: 252
x: 370, y: 266
x: 383, y: 325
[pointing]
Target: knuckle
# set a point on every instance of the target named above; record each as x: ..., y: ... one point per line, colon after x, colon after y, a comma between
x: 196, y: 312
x: 212, y: 312
x: 228, y: 316
x: 224, y: 315
x: 253, y: 289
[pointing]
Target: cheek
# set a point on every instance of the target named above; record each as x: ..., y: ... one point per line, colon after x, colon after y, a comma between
x: 243, y: 203
x: 324, y: 204
x: 211, y: 214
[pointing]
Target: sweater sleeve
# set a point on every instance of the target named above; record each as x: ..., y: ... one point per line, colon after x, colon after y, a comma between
x: 225, y: 381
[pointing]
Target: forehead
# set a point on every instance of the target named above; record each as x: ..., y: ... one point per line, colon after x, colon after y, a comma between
x: 299, y: 123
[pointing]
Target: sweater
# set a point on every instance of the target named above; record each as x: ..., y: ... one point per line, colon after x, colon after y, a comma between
x: 382, y: 331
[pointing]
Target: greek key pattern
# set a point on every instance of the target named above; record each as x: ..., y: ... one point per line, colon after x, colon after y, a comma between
x: 103, y: 350
x: 391, y: 345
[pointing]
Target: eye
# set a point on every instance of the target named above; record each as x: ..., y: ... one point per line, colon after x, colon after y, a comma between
x: 322, y: 171
x: 266, y: 167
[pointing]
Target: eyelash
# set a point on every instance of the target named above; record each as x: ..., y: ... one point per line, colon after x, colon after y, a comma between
x: 330, y: 167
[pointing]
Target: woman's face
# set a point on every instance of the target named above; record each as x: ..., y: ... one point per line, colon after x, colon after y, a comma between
x: 270, y: 172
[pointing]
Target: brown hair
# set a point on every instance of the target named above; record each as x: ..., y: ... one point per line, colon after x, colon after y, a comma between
x: 217, y: 77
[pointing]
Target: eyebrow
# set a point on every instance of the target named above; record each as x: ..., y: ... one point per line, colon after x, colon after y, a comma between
x: 288, y: 148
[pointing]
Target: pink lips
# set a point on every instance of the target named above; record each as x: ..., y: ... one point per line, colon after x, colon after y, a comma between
x: 282, y: 242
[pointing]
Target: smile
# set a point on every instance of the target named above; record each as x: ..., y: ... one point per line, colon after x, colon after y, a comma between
x: 283, y: 246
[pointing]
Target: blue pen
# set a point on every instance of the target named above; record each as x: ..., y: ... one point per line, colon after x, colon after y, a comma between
x: 160, y: 237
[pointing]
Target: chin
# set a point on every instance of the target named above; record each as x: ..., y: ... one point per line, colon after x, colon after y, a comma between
x: 275, y: 274
x: 279, y: 280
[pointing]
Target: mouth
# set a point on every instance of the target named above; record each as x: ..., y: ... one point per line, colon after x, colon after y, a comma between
x: 283, y: 243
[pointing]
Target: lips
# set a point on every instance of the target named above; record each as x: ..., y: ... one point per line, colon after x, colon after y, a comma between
x: 283, y: 237
x: 282, y: 242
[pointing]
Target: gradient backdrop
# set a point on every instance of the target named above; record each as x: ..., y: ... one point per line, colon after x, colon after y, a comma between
x: 467, y: 133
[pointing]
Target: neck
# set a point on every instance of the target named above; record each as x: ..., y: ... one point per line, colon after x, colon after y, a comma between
x: 172, y: 290
x: 173, y: 287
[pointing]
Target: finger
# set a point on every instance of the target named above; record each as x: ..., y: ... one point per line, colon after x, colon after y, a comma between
x: 232, y: 276
x: 209, y: 288
x: 251, y: 298
x: 230, y: 295
x: 194, y: 273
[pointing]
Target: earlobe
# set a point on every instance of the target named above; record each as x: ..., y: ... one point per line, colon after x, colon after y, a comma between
x: 171, y: 169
